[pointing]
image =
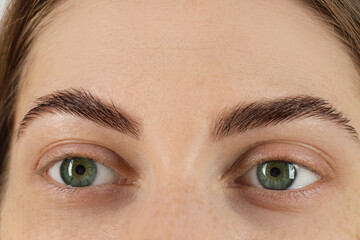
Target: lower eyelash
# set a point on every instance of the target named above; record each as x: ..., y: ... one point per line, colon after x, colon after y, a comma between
x: 283, y: 200
x: 75, y: 198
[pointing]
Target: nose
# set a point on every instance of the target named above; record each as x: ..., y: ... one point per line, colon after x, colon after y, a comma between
x: 173, y: 212
x: 180, y: 198
x: 177, y: 210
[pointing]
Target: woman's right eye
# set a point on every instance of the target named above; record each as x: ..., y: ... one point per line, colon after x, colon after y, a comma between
x: 82, y: 172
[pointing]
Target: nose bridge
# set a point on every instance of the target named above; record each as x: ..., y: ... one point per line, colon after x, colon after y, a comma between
x: 176, y: 203
x: 173, y: 212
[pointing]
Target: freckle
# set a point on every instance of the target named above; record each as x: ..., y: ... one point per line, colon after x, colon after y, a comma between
x: 315, y: 222
x: 348, y: 207
x: 215, y: 220
x: 156, y: 213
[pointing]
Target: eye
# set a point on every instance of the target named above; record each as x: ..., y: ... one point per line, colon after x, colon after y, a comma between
x: 278, y: 175
x: 82, y: 172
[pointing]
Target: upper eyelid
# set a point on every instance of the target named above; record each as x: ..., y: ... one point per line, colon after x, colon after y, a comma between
x: 234, y: 173
x: 63, y: 151
x: 65, y: 156
x: 244, y: 162
x: 108, y: 158
x: 290, y: 160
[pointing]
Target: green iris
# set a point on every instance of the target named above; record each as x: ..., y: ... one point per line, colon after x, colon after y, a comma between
x: 78, y: 172
x: 276, y: 175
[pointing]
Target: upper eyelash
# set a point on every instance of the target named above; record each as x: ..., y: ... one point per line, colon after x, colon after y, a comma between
x: 298, y: 163
x: 64, y: 156
x: 237, y: 172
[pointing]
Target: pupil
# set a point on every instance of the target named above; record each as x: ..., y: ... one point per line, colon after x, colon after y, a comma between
x: 80, y: 169
x: 275, y: 172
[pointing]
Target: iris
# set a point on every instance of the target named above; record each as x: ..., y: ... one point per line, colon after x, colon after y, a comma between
x: 78, y: 171
x: 276, y: 175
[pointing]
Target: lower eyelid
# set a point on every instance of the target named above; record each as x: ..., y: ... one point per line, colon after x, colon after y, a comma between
x: 101, y: 195
x: 286, y: 200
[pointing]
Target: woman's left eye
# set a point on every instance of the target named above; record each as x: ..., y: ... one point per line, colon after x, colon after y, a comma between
x: 81, y: 172
x: 278, y: 175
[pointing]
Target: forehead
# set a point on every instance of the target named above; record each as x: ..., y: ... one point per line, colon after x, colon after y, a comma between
x: 187, y: 53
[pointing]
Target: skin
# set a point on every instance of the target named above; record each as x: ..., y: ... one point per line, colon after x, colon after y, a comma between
x: 175, y: 66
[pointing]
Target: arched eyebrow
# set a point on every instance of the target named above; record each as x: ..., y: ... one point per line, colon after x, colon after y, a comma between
x: 238, y: 119
x: 82, y: 104
x: 262, y: 113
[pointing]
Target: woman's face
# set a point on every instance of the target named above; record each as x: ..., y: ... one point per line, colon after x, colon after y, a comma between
x: 185, y: 120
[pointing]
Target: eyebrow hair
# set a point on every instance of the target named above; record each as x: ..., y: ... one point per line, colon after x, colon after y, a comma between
x: 82, y: 104
x: 263, y: 113
x: 238, y: 119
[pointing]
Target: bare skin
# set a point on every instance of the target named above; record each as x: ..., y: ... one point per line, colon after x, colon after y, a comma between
x: 175, y: 67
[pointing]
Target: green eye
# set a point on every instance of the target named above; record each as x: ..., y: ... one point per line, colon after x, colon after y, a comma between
x: 78, y: 172
x: 276, y: 175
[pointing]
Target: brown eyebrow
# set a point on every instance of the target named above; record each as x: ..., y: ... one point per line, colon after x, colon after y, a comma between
x: 238, y: 119
x: 82, y: 104
x: 263, y: 113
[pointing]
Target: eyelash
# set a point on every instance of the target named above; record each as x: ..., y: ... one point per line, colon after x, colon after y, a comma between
x: 261, y: 197
x: 62, y: 157
x: 283, y: 158
x: 95, y: 195
x: 123, y: 177
x: 287, y: 200
x: 234, y: 173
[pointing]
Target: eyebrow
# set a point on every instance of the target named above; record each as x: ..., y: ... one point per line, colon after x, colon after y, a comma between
x: 263, y: 113
x: 81, y: 103
x: 236, y: 120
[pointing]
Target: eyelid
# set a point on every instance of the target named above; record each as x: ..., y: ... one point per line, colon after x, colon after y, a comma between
x: 97, y: 153
x: 284, y: 151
